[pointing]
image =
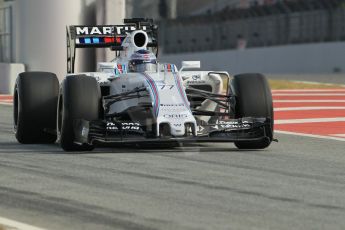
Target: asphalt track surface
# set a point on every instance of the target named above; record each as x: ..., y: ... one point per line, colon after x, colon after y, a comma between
x: 298, y: 183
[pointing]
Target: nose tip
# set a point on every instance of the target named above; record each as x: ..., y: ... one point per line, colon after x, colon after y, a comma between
x: 177, y: 129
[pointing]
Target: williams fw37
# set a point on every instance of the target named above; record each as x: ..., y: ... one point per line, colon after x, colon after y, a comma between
x: 137, y: 99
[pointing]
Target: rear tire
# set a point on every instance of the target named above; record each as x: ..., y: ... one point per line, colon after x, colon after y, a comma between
x: 34, y: 107
x: 253, y: 99
x: 79, y: 98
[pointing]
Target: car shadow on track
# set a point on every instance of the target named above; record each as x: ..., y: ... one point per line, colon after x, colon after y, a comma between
x: 14, y: 147
x: 173, y: 149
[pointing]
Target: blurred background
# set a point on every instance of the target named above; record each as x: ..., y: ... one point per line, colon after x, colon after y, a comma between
x: 285, y: 39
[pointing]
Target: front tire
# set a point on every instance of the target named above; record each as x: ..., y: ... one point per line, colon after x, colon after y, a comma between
x: 253, y: 99
x: 34, y: 107
x: 79, y: 98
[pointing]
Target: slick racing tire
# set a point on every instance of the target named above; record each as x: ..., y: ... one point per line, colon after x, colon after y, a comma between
x: 253, y: 99
x: 34, y: 107
x: 79, y: 98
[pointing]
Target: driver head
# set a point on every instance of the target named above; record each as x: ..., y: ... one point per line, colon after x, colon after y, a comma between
x: 142, y: 61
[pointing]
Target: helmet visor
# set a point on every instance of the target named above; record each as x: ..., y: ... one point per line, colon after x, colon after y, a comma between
x: 143, y: 66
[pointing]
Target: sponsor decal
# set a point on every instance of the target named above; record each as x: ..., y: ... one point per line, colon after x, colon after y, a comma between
x: 196, y: 82
x: 221, y: 125
x: 130, y: 126
x: 111, y: 126
x: 106, y: 30
x: 121, y: 29
x: 175, y: 116
x: 196, y: 77
x: 162, y: 87
x: 172, y: 105
x: 124, y: 126
x: 232, y: 125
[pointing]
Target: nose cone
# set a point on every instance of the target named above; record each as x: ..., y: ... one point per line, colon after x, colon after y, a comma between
x: 182, y: 129
x: 172, y: 129
x: 176, y: 122
x: 177, y: 129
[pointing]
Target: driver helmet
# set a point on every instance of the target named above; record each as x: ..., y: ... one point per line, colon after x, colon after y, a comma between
x: 142, y: 61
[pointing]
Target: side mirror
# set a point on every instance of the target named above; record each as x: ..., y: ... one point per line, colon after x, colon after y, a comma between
x: 190, y: 65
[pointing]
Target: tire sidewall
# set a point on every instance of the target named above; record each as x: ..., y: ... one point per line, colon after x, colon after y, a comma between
x: 34, y: 107
x: 253, y: 99
x: 79, y: 98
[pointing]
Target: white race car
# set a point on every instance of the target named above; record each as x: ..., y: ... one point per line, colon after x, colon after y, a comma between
x: 137, y: 100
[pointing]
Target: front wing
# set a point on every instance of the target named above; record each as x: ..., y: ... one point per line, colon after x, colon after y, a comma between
x: 234, y: 130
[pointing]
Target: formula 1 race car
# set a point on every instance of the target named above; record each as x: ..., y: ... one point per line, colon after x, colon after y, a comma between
x: 137, y: 100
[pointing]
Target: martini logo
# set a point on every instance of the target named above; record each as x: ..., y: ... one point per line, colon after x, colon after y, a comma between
x: 106, y: 30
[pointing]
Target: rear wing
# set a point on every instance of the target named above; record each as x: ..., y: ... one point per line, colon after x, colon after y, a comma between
x: 106, y: 36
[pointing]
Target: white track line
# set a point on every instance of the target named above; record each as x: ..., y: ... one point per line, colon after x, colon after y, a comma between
x: 309, y: 90
x: 5, y: 103
x: 310, y: 135
x: 308, y: 94
x: 310, y: 108
x: 338, y: 135
x: 319, y: 83
x: 308, y: 120
x: 326, y: 101
x: 17, y: 225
